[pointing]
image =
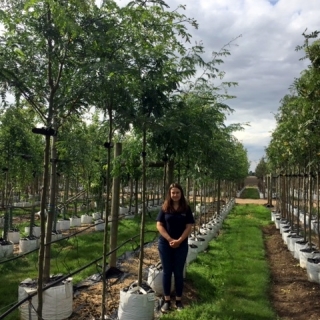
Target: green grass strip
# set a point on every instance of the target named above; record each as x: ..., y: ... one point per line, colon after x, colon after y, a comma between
x: 250, y: 193
x: 232, y: 278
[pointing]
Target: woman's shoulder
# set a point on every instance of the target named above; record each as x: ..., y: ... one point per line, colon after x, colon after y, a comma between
x: 164, y: 210
x: 189, y: 210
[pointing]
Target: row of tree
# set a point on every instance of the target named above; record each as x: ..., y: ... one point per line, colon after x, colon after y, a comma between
x: 75, y: 78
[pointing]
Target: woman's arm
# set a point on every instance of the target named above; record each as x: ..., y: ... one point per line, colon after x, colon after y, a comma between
x: 163, y: 231
x: 185, y: 234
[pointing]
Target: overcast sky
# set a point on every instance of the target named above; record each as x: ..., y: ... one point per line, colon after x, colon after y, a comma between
x: 263, y: 61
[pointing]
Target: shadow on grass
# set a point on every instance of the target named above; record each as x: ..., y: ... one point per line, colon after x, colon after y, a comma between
x: 209, y: 301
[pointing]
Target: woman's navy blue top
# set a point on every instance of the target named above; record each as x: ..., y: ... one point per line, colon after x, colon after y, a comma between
x: 175, y: 222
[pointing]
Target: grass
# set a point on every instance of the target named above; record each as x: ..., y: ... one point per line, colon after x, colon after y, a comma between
x: 250, y: 193
x: 232, y: 278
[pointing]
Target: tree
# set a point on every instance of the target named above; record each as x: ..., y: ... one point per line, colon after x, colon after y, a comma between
x: 44, y: 61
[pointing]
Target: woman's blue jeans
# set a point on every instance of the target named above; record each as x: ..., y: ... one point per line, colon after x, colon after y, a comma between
x: 173, y: 261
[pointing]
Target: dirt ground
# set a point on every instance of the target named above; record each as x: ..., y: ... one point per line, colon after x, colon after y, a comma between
x: 292, y: 295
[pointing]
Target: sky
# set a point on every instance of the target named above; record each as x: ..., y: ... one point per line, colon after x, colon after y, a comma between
x: 263, y: 58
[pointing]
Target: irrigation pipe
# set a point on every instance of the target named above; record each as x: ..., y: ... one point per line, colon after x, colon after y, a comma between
x: 54, y: 241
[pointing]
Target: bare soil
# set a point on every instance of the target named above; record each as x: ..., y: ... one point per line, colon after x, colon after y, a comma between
x: 292, y: 295
x: 87, y: 303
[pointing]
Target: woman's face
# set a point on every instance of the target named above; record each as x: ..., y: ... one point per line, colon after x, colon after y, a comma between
x: 175, y: 194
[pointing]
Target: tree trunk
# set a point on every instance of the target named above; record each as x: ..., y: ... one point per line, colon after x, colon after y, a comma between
x: 164, y: 181
x: 219, y: 196
x: 65, y: 197
x: 130, y: 194
x: 187, y: 188
x: 106, y: 216
x: 41, y: 278
x: 115, y: 211
x: 51, y: 218
x: 310, y: 207
x: 136, y: 196
x: 143, y: 214
x: 170, y: 174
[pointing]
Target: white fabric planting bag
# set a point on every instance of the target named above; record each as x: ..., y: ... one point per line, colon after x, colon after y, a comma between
x: 136, y: 304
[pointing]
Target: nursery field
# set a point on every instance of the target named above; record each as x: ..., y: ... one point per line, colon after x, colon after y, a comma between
x: 276, y: 288
x: 291, y: 295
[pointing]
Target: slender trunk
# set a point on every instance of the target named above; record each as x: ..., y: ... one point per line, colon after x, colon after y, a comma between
x: 45, y: 184
x: 164, y: 181
x: 131, y: 194
x: 287, y: 196
x: 65, y: 197
x: 106, y: 216
x: 194, y: 195
x: 136, y: 196
x: 194, y: 200
x: 205, y: 200
x: 170, y: 173
x: 51, y: 217
x: 143, y: 214
x: 179, y: 172
x: 218, y: 195
x: 33, y: 209
x: 305, y: 206
x: 298, y: 202
x: 3, y: 193
x: 310, y: 207
x: 187, y: 187
x: 6, y: 205
x: 115, y: 211
x: 318, y: 207
x: 292, y: 203
x: 122, y: 194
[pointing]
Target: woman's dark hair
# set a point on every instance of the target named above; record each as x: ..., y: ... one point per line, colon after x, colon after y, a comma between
x: 168, y: 203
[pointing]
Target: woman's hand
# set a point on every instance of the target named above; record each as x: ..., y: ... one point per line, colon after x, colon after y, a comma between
x: 174, y: 243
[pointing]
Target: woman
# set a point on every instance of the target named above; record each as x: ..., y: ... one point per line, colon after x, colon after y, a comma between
x: 174, y: 223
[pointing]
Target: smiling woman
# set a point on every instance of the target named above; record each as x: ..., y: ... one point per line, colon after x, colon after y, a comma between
x: 174, y: 224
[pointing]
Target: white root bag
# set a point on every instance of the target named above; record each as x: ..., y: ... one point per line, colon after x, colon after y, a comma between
x: 135, y: 306
x: 57, y: 302
x: 192, y: 254
x: 313, y: 271
x: 155, y: 275
x: 6, y: 250
x: 75, y: 222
